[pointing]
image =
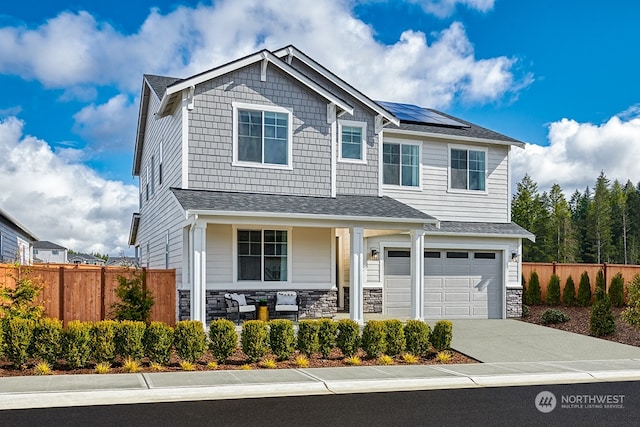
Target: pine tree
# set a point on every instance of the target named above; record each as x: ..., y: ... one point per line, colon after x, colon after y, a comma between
x: 563, y: 242
x: 616, y: 291
x: 534, y: 291
x: 584, y: 290
x: 599, y: 220
x: 569, y: 292
x: 602, y: 321
x: 553, y: 291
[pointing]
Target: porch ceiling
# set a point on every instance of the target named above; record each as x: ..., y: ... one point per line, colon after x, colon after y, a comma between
x: 345, y: 207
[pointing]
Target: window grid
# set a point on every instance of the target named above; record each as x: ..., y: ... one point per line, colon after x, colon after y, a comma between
x: 263, y: 137
x: 351, y: 142
x: 468, y: 169
x: 401, y: 164
x: 262, y: 255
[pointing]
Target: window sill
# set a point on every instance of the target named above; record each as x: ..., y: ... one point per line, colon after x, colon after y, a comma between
x: 261, y: 165
x: 355, y: 161
x: 474, y: 192
x: 401, y: 188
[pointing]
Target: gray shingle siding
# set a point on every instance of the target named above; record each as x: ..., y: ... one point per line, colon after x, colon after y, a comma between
x: 211, y: 136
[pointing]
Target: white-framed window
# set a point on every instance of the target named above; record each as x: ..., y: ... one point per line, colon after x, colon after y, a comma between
x: 146, y: 185
x: 262, y: 254
x: 166, y: 250
x: 160, y: 163
x: 153, y: 175
x: 401, y: 164
x: 262, y: 136
x: 467, y: 168
x: 352, y: 141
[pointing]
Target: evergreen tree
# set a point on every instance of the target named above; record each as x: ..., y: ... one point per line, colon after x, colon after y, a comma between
x: 563, y: 242
x: 534, y: 291
x: 616, y: 290
x: 602, y: 321
x: 599, y: 220
x: 619, y: 223
x: 584, y: 290
x: 569, y: 292
x: 553, y: 291
x: 600, y: 283
x: 579, y: 208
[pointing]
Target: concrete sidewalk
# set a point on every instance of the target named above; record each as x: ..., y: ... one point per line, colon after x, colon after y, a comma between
x: 514, y: 352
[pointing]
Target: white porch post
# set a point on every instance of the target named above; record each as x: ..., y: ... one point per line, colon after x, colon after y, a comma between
x: 199, y: 283
x: 356, y: 274
x: 417, y: 274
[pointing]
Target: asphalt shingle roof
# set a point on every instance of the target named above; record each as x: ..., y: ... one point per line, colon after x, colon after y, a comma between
x: 45, y: 244
x: 342, y: 205
x: 505, y: 229
x: 160, y: 83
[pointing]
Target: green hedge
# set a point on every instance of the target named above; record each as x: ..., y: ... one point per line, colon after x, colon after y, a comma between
x: 190, y: 340
x: 47, y: 337
x: 158, y: 342
x: 394, y: 337
x: 223, y: 339
x: 442, y: 335
x: 255, y: 339
x: 103, y: 340
x: 76, y: 344
x: 282, y: 339
x: 308, y: 337
x: 129, y: 339
x: 327, y: 330
x: 348, y: 337
x: 417, y: 334
x: 18, y: 334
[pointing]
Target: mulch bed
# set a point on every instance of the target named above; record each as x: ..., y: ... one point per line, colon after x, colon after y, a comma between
x: 579, y: 323
x: 235, y: 362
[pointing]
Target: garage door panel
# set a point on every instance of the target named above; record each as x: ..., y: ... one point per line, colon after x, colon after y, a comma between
x: 457, y: 311
x: 457, y: 297
x: 458, y: 283
x: 433, y: 297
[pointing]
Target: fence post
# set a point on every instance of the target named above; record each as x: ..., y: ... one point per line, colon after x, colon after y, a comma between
x: 61, y: 292
x: 554, y: 268
x: 103, y: 291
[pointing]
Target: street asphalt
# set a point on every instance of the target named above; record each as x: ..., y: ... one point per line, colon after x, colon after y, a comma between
x: 513, y: 353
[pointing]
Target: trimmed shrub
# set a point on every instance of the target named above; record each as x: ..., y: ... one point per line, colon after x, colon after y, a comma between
x: 554, y: 316
x: 600, y: 283
x: 569, y: 292
x: 616, y: 291
x: 103, y: 340
x: 602, y: 322
x: 223, y: 339
x: 396, y: 342
x: 631, y: 314
x: 417, y: 334
x: 553, y: 291
x: 20, y: 301
x: 584, y: 290
x: 525, y: 294
x: 255, y: 339
x: 282, y: 339
x: 158, y: 342
x: 76, y: 344
x: 534, y: 291
x: 308, y: 337
x: 442, y: 335
x: 327, y: 330
x: 373, y: 338
x: 130, y: 339
x: 348, y: 337
x: 47, y: 337
x: 135, y: 300
x: 190, y: 340
x: 18, y: 333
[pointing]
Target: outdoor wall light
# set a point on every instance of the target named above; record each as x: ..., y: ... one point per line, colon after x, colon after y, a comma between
x: 374, y: 254
x: 514, y: 256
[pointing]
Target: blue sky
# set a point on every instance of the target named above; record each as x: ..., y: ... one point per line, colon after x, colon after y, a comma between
x: 560, y: 76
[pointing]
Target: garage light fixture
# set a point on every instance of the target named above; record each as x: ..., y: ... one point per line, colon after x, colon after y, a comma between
x: 514, y: 256
x: 374, y: 254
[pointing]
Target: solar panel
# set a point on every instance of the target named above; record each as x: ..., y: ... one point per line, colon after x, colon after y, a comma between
x: 415, y: 114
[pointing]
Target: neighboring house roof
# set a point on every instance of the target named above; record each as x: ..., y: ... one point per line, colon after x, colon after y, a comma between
x: 15, y: 224
x: 509, y: 229
x: 45, y: 244
x: 469, y: 131
x: 84, y: 257
x: 123, y: 261
x: 372, y: 208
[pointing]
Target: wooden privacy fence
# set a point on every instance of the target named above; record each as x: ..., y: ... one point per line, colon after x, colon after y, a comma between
x: 546, y: 269
x: 86, y: 292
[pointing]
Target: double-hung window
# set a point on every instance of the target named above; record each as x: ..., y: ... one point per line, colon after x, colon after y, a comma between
x: 262, y: 135
x: 401, y: 164
x: 353, y: 137
x: 468, y: 169
x: 263, y: 255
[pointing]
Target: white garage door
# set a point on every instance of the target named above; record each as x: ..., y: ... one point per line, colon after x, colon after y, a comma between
x: 458, y: 284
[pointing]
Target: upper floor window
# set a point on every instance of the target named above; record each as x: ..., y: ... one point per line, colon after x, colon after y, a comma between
x: 401, y: 164
x: 263, y: 255
x: 153, y: 175
x: 353, y: 137
x: 468, y: 169
x: 262, y: 135
x: 160, y: 163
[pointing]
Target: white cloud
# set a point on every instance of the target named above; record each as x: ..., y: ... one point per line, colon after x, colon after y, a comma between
x: 444, y: 8
x: 111, y: 125
x: 60, y: 200
x: 578, y: 152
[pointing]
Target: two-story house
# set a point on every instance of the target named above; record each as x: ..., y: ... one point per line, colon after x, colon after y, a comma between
x: 271, y: 173
x: 49, y: 252
x: 15, y: 240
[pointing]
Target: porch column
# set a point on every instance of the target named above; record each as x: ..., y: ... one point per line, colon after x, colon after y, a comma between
x: 356, y: 275
x: 417, y: 274
x: 199, y: 283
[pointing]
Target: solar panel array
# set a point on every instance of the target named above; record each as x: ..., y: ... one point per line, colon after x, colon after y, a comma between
x: 414, y: 114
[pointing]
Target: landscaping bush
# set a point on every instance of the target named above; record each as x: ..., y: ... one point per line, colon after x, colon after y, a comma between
x: 600, y: 283
x: 76, y: 344
x: 569, y: 292
x: 189, y: 340
x: 584, y: 290
x: 525, y: 310
x: 327, y: 330
x: 373, y: 338
x: 308, y: 337
x: 631, y: 314
x: 158, y: 342
x: 47, y: 337
x: 417, y: 334
x: 255, y: 339
x: 554, y: 316
x: 282, y: 338
x: 18, y: 333
x: 525, y: 294
x: 394, y: 337
x: 130, y: 339
x: 442, y: 335
x: 348, y: 337
x: 223, y: 339
x: 616, y: 291
x: 103, y: 340
x: 602, y: 322
x: 135, y: 301
x: 534, y: 291
x: 19, y: 302
x: 553, y: 291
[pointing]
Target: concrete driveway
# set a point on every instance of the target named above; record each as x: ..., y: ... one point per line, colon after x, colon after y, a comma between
x: 492, y: 341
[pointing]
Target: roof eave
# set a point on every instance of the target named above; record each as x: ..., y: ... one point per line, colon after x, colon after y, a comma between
x: 142, y: 125
x: 465, y: 234
x: 456, y: 137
